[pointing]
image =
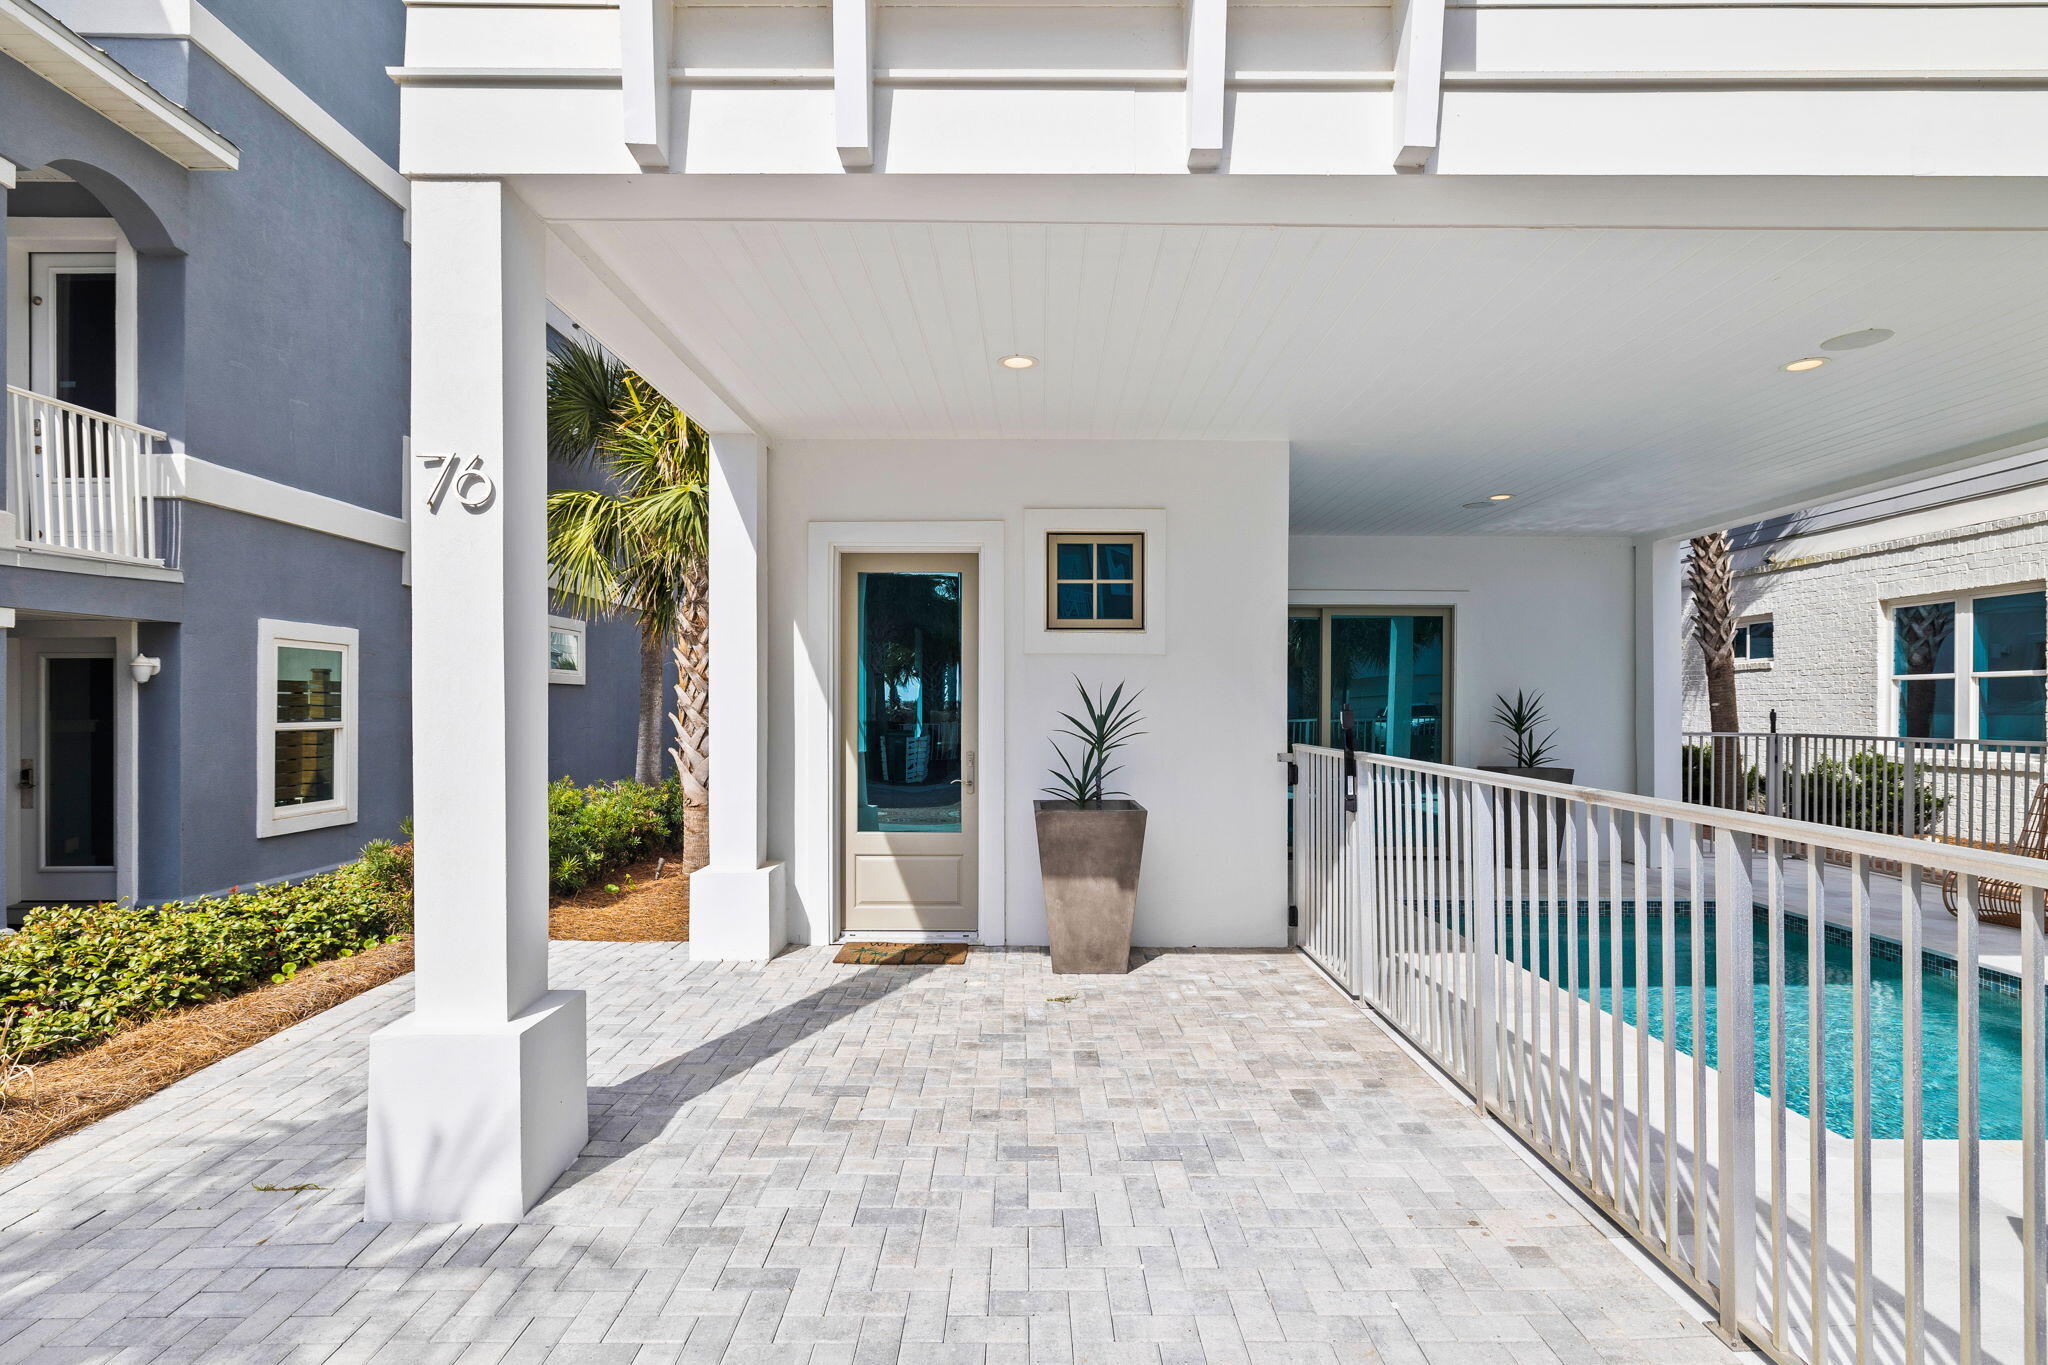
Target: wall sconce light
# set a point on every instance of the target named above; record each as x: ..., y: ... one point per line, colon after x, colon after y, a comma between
x: 142, y: 668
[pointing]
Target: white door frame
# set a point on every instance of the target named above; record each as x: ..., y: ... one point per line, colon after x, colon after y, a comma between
x: 818, y: 767
x: 127, y: 747
x: 28, y: 237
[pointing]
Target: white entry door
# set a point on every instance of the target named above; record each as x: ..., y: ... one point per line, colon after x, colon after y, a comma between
x: 66, y: 768
x: 907, y: 712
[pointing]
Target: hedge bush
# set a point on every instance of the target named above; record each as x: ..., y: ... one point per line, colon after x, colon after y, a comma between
x: 597, y: 829
x: 75, y: 974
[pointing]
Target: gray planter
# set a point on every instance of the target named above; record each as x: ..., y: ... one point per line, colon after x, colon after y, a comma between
x: 1541, y: 830
x: 1088, y: 856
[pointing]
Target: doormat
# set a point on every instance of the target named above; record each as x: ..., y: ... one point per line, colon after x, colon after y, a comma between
x: 902, y: 954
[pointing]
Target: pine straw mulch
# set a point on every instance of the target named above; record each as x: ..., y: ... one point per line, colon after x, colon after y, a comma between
x: 646, y: 908
x: 66, y: 1094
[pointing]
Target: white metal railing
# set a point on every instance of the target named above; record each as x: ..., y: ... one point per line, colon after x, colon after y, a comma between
x: 82, y: 481
x: 1969, y: 791
x: 1635, y: 987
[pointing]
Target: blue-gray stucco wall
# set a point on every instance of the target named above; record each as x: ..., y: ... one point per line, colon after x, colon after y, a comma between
x: 591, y: 728
x: 335, y: 52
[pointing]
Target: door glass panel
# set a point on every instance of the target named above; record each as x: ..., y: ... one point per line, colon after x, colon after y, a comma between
x: 909, y: 746
x: 1390, y: 671
x: 85, y: 338
x: 1304, y: 668
x: 78, y: 818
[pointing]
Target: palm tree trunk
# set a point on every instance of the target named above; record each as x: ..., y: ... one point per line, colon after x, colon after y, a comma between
x: 647, y: 739
x: 691, y: 719
x: 1711, y: 577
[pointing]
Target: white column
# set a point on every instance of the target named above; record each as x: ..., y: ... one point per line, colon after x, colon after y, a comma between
x: 1659, y: 667
x: 736, y: 902
x: 477, y: 1099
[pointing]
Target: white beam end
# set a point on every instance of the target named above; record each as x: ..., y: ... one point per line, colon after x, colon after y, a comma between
x: 853, y: 82
x: 646, y: 30
x: 1207, y: 25
x: 1418, y: 82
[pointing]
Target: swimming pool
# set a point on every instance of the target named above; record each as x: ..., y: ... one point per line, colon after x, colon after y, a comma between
x: 1999, y: 1017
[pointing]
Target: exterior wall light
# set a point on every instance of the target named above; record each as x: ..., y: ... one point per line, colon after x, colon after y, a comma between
x: 1018, y: 362
x: 1812, y: 362
x: 143, y: 667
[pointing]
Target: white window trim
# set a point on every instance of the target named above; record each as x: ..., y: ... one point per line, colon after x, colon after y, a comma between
x: 1963, y: 675
x: 581, y: 630
x: 1745, y: 664
x: 271, y: 820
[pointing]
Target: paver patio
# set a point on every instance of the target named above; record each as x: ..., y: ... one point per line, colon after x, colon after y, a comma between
x: 1216, y: 1158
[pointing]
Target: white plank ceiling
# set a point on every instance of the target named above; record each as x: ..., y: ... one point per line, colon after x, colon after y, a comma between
x: 1615, y: 380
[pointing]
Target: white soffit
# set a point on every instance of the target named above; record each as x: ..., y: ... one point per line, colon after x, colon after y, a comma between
x: 1617, y: 380
x: 30, y: 36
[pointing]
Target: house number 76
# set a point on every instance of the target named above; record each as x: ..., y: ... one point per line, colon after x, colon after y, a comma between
x: 463, y: 478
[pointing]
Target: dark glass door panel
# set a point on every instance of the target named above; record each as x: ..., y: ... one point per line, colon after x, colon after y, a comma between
x: 1390, y: 671
x: 910, y: 750
x: 78, y: 782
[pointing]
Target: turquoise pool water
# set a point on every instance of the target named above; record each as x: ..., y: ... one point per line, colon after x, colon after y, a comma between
x: 1999, y: 1016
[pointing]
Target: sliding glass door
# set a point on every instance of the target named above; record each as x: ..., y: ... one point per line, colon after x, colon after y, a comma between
x: 1390, y: 665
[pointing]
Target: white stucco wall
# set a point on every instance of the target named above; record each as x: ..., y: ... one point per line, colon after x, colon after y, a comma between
x: 1828, y: 602
x: 1549, y: 614
x: 1214, y: 700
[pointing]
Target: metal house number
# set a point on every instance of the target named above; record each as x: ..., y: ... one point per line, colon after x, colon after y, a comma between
x: 464, y: 478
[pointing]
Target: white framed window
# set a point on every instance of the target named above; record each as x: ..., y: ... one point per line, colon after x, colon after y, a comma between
x: 1095, y: 580
x: 1756, y: 639
x: 1971, y: 667
x: 306, y: 725
x: 566, y: 654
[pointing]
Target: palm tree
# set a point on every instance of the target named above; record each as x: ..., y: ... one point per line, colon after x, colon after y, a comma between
x: 1710, y: 577
x: 636, y: 547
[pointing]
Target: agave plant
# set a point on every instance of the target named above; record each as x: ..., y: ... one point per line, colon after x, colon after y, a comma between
x: 1522, y: 718
x: 1105, y: 725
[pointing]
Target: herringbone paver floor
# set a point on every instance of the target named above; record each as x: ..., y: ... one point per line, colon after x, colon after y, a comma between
x: 1215, y: 1158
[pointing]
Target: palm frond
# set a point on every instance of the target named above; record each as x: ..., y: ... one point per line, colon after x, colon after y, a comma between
x: 585, y: 388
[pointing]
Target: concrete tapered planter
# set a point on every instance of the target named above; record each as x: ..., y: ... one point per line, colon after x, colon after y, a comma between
x: 1088, y: 855
x: 1541, y: 831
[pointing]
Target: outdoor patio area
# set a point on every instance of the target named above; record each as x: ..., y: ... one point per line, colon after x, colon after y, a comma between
x: 1217, y: 1158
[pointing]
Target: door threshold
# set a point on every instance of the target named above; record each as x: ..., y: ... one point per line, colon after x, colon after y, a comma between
x: 909, y: 936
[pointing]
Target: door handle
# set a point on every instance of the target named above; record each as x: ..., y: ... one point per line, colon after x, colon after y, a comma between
x: 970, y: 772
x: 26, y: 784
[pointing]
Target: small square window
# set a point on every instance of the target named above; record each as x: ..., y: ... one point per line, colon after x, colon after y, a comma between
x: 565, y: 650
x: 1756, y: 639
x: 1095, y: 581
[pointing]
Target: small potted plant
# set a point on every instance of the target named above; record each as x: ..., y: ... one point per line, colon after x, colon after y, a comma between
x: 1090, y: 844
x: 1522, y: 719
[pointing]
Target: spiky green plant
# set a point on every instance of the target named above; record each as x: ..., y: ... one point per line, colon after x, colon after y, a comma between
x: 1106, y: 724
x: 1522, y: 718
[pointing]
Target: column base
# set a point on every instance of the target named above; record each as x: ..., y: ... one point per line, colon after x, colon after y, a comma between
x: 737, y: 914
x: 470, y: 1123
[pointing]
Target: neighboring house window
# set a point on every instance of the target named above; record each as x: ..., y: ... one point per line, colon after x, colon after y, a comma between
x: 306, y: 725
x: 1756, y: 639
x: 1095, y: 581
x: 565, y: 650
x: 1974, y: 667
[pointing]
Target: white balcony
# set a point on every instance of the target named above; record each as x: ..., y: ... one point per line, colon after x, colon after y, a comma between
x: 81, y: 482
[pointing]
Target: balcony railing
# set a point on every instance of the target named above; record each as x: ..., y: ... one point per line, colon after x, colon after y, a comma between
x: 1806, y: 1089
x: 1963, y: 791
x: 81, y: 481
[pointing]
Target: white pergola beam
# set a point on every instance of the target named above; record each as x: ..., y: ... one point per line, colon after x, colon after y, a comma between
x: 1418, y: 82
x: 477, y: 1098
x: 1207, y: 25
x: 646, y: 29
x: 853, y: 82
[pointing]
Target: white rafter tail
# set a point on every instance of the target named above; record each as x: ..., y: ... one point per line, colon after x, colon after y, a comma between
x: 853, y: 82
x: 1418, y: 82
x: 646, y: 29
x: 1207, y: 22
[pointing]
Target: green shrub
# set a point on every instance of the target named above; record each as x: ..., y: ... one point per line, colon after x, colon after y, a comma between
x: 594, y: 830
x: 76, y: 973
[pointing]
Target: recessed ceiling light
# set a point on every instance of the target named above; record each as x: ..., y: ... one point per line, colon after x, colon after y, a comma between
x: 1490, y: 500
x: 1498, y: 497
x: 1018, y: 362
x: 1812, y: 362
x: 1856, y: 341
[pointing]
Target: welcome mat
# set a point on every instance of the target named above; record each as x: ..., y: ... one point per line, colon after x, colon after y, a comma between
x: 902, y: 954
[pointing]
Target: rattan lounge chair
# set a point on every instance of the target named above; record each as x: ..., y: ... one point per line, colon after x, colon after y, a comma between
x: 1998, y: 902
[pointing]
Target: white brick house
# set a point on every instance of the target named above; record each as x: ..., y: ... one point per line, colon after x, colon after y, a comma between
x: 1829, y: 587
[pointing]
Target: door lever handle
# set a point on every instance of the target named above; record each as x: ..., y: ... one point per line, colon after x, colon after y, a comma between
x: 969, y: 784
